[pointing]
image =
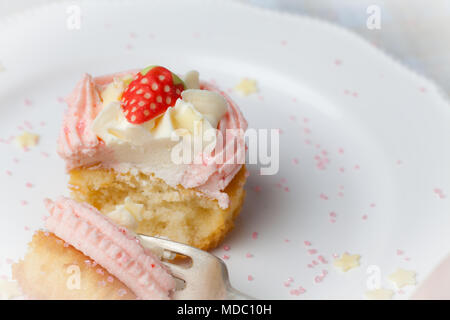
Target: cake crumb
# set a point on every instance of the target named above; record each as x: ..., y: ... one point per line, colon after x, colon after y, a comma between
x: 247, y: 86
x: 403, y: 277
x: 27, y: 140
x: 9, y: 289
x: 347, y: 262
x: 379, y: 294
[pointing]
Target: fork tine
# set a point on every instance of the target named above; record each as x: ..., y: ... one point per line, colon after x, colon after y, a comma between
x: 176, y: 270
x: 170, y: 245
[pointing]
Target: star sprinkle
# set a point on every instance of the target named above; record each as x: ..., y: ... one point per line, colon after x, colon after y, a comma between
x: 347, y: 262
x: 2, y: 68
x: 27, y: 140
x: 9, y: 290
x: 379, y: 294
x: 246, y: 87
x: 403, y: 277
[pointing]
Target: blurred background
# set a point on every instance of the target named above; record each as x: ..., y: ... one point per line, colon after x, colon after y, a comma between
x: 415, y: 32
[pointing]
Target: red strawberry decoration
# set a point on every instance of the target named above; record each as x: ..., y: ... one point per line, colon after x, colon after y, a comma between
x: 152, y: 91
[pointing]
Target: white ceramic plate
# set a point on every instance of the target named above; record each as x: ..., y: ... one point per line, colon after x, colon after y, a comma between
x: 365, y: 156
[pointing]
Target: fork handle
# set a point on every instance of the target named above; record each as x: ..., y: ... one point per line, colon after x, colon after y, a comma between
x: 233, y: 294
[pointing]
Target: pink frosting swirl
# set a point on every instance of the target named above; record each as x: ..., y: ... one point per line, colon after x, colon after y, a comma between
x: 113, y: 247
x: 79, y: 146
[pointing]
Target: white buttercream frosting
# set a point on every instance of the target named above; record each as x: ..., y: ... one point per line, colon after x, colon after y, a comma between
x: 148, y: 145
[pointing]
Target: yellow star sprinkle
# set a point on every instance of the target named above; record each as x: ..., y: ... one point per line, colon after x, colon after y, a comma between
x: 247, y: 86
x: 9, y: 289
x: 403, y: 277
x: 347, y: 262
x: 26, y: 140
x: 379, y: 294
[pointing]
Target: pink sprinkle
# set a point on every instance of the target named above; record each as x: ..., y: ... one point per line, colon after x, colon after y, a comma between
x: 110, y: 279
x: 333, y: 214
x: 292, y: 118
x: 287, y: 284
x: 356, y: 167
x: 250, y: 278
x: 283, y: 42
x: 8, y: 172
x: 255, y: 235
x: 337, y: 62
x: 341, y: 151
x: 364, y: 217
x: 100, y: 271
x: 260, y: 97
x: 249, y: 255
x: 439, y: 193
x: 287, y: 240
x: 225, y: 257
x: 399, y: 252
x: 26, y: 228
x: 423, y: 89
x: 307, y: 243
x: 373, y: 205
x: 290, y: 279
x: 129, y: 46
x: 306, y: 130
x: 24, y: 202
x: 102, y: 283
x: 122, y: 292
x: 399, y: 162
x: 226, y: 247
x: 318, y: 279
x: 307, y: 141
x: 28, y: 125
x: 342, y: 169
x: 315, y: 263
x: 323, y: 196
x: 322, y: 259
x: 28, y: 102
x: 286, y: 189
x: 355, y: 94
x: 295, y: 161
x: 312, y: 251
x: 257, y: 189
x: 29, y: 185
x: 310, y: 265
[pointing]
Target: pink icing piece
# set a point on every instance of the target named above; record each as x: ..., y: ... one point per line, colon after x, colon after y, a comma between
x: 114, y: 248
x: 79, y: 146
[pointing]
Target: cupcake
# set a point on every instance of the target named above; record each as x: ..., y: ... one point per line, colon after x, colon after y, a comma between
x: 84, y: 255
x: 160, y: 154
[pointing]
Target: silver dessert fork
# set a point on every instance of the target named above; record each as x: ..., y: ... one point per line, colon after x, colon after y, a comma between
x: 205, y: 276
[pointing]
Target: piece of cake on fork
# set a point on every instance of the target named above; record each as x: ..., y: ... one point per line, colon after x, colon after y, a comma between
x: 161, y: 155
